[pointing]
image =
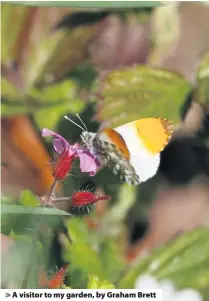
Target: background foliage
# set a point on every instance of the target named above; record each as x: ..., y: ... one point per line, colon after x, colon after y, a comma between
x: 63, y: 60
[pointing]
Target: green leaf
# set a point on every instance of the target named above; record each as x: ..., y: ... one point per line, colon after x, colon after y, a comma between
x: 112, y: 259
x: 95, y: 283
x: 63, y: 95
x: 70, y: 52
x: 17, y: 14
x: 83, y: 74
x: 42, y: 56
x: 202, y: 90
x: 17, y: 259
x: 25, y: 220
x: 78, y: 230
x: 31, y: 41
x: 19, y: 209
x: 27, y: 198
x: 8, y: 109
x: 84, y: 261
x: 113, y: 221
x: 6, y: 199
x: 83, y: 253
x: 133, y: 93
x: 109, y: 250
x: 10, y: 91
x: 183, y: 260
x: 112, y: 4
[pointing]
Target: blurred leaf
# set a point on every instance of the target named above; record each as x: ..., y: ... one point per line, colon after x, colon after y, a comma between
x: 19, y: 209
x: 130, y: 94
x: 165, y: 30
x: 10, y: 109
x: 28, y: 199
x: 82, y: 253
x: 83, y: 74
x: 64, y: 91
x: 84, y: 261
x: 108, y: 249
x: 113, y: 4
x: 6, y: 199
x: 71, y: 51
x: 180, y: 42
x: 17, y: 260
x: 18, y: 15
x: 10, y: 91
x: 28, y: 105
x: 49, y: 104
x: 114, y: 221
x: 202, y: 90
x: 30, y: 43
x: 78, y: 230
x: 4, y: 164
x: 36, y: 55
x: 183, y: 260
x: 95, y: 283
x: 24, y: 220
x: 112, y: 260
x: 63, y: 95
x: 82, y: 18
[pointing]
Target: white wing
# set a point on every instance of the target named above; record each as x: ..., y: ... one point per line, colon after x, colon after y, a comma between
x: 145, y: 163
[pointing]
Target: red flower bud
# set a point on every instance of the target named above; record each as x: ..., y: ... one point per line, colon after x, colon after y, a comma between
x: 58, y: 279
x: 63, y: 164
x: 84, y: 198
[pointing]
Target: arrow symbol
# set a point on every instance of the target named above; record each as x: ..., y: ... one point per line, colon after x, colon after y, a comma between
x: 7, y: 295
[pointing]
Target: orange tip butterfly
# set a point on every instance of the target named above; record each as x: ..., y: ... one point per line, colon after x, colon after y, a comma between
x: 131, y: 150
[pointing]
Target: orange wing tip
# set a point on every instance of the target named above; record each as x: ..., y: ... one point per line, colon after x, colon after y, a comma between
x: 118, y: 141
x: 168, y: 127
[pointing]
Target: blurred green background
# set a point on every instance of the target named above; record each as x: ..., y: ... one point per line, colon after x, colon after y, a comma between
x: 111, y: 66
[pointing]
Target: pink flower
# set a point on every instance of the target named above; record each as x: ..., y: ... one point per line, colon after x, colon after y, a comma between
x: 67, y: 154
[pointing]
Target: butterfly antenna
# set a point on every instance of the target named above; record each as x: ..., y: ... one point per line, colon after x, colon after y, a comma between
x: 83, y: 129
x: 82, y: 122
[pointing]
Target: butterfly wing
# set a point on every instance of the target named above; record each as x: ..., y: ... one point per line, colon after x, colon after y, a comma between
x: 153, y: 133
x: 113, y: 157
x: 145, y: 139
x: 133, y: 150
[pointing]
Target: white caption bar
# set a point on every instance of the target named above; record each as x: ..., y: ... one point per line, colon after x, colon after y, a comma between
x: 100, y: 294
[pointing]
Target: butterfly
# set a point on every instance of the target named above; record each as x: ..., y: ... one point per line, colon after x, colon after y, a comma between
x: 132, y: 150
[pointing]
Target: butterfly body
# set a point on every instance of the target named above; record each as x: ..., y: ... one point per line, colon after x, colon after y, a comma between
x: 131, y: 150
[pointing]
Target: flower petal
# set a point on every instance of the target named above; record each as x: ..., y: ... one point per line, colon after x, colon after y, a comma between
x: 88, y: 163
x: 59, y: 142
x: 58, y: 145
x: 47, y: 132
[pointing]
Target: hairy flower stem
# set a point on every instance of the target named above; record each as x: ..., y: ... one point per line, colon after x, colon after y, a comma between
x: 61, y: 199
x: 51, y: 192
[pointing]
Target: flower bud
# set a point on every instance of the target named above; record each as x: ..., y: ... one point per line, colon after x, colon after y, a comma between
x: 84, y: 198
